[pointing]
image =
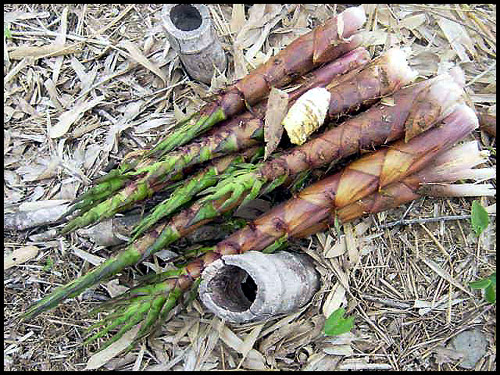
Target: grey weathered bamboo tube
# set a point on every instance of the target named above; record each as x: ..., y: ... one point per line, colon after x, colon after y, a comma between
x: 190, y: 33
x: 283, y: 283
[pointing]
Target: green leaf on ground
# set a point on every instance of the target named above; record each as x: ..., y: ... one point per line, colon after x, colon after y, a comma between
x: 479, y: 218
x: 336, y: 324
x: 480, y: 284
x: 489, y: 284
x: 48, y: 264
x: 7, y: 32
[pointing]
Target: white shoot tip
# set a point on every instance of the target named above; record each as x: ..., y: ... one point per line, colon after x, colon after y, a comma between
x: 358, y: 14
x: 397, y: 65
x: 307, y: 114
x: 458, y: 75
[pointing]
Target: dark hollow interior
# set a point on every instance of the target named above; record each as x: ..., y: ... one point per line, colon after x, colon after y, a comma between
x: 249, y: 288
x: 233, y: 289
x: 185, y: 17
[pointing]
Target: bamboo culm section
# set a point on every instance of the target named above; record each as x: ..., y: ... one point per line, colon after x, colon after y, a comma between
x: 359, y: 179
x: 407, y: 113
x: 233, y: 135
x: 378, y: 177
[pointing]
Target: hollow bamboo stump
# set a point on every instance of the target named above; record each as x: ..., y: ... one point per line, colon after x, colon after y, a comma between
x: 254, y: 286
x: 190, y: 33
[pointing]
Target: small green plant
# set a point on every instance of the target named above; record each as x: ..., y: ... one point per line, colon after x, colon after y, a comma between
x: 479, y: 218
x: 489, y: 285
x: 6, y: 31
x: 492, y: 150
x: 336, y: 324
x: 48, y: 264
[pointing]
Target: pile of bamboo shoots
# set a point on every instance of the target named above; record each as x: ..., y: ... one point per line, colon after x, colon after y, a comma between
x: 406, y: 130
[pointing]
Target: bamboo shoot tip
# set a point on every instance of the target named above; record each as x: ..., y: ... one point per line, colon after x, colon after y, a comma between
x: 397, y: 65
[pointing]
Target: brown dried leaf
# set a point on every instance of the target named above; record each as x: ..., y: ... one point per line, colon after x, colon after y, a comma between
x: 91, y: 258
x: 101, y: 358
x: 49, y: 50
x: 114, y: 288
x: 139, y: 57
x: 71, y: 116
x: 254, y: 359
x: 334, y: 300
x: 237, y: 17
x: 337, y: 249
x: 240, y: 66
x: 19, y: 15
x: 277, y: 106
x: 19, y: 256
x: 413, y: 21
x: 458, y: 38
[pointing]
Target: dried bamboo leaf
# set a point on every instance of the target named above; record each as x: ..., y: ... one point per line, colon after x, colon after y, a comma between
x: 447, y: 355
x: 114, y: 288
x: 344, y: 350
x: 71, y: 116
x: 139, y: 57
x: 426, y: 62
x: 53, y: 95
x: 91, y: 258
x: 458, y: 38
x: 252, y: 51
x: 86, y: 78
x: 20, y: 15
x: 154, y: 123
x: 374, y: 38
x: 412, y: 22
x: 277, y: 105
x: 39, y: 205
x: 102, y: 357
x: 334, y: 300
x: 338, y: 248
x: 321, y: 362
x: 362, y: 364
x: 20, y: 256
x: 249, y: 340
x: 240, y: 66
x: 351, y: 244
x: 254, y: 360
x: 237, y: 17
x: 26, y: 61
x: 50, y: 50
x: 60, y: 39
x: 444, y: 274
